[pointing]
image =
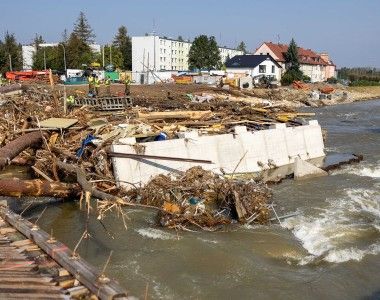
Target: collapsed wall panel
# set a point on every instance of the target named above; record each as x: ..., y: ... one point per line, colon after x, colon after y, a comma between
x: 242, y: 152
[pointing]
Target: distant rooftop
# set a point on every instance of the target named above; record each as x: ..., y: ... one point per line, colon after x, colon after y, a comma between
x: 306, y: 56
x: 249, y: 61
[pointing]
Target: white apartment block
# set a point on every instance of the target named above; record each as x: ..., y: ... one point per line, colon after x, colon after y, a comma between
x: 158, y: 53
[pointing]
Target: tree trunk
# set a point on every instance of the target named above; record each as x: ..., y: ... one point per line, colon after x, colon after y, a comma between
x: 15, y: 147
x: 84, y: 183
x: 18, y: 188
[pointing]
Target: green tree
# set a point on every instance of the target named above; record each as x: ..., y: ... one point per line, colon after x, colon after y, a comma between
x: 83, y: 30
x: 3, y: 58
x: 242, y: 47
x: 291, y: 57
x: 38, y: 40
x: 292, y: 65
x: 78, y: 52
x: 180, y: 38
x: 204, y: 53
x: 10, y: 50
x: 112, y: 55
x: 49, y: 55
x: 65, y: 36
x: 123, y: 47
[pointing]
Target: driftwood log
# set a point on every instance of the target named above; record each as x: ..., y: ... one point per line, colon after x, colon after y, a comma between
x: 84, y: 183
x: 15, y: 147
x: 18, y: 188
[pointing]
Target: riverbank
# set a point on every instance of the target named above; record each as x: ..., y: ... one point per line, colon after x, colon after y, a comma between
x: 283, y: 96
x: 364, y: 92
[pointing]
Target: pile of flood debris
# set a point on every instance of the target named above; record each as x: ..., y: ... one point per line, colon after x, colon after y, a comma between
x: 204, y: 199
x: 68, y: 154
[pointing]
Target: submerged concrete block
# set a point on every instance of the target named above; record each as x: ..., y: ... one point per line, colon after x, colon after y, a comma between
x: 305, y: 170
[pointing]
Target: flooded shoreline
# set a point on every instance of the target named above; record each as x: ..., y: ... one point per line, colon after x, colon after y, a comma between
x: 330, y: 250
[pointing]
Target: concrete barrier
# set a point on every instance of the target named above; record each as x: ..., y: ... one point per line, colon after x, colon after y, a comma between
x: 242, y: 152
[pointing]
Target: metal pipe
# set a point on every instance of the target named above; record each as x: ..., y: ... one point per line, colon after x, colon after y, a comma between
x: 143, y: 156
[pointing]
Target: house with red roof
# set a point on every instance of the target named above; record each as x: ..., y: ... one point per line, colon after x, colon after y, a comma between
x: 318, y: 67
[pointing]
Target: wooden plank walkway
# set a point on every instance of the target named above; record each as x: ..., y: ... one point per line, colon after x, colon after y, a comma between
x: 31, y: 266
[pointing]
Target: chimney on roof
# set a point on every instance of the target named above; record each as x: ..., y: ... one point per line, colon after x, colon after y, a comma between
x: 325, y: 56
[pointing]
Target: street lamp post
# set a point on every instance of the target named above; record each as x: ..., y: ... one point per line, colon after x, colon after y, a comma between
x: 64, y: 57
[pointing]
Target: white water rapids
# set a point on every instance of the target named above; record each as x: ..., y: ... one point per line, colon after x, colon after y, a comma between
x: 348, y: 228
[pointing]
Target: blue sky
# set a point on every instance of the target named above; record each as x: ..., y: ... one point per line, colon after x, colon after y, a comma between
x: 348, y: 29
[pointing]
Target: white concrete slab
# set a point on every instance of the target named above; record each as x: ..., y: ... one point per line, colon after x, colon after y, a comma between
x: 306, y: 170
x: 245, y: 151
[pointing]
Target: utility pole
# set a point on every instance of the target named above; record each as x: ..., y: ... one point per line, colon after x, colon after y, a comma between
x: 154, y: 45
x: 147, y: 71
x: 10, y: 63
x: 64, y: 57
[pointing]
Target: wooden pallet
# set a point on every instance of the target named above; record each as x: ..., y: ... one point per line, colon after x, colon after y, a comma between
x: 105, y: 103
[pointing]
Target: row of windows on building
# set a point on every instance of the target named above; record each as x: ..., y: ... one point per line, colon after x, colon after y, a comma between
x: 173, y: 43
x: 176, y: 68
x: 229, y: 51
x: 174, y: 60
x: 163, y: 51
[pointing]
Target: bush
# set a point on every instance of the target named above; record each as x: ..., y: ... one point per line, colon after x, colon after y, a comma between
x: 365, y: 83
x: 290, y: 76
x: 306, y: 78
x: 332, y: 80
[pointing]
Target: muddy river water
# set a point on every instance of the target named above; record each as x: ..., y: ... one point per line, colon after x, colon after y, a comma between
x: 331, y: 250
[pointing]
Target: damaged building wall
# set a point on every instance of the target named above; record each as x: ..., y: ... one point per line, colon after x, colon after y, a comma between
x: 241, y: 152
